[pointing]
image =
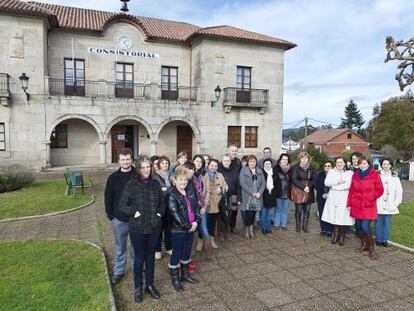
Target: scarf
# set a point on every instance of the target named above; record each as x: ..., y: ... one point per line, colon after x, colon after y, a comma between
x: 305, y: 167
x: 362, y: 174
x: 212, y: 175
x: 166, y: 176
x: 269, y: 181
x: 284, y: 168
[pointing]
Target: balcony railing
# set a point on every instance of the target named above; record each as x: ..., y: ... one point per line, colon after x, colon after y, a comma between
x: 183, y: 93
x: 121, y: 89
x: 255, y: 98
x: 4, y: 83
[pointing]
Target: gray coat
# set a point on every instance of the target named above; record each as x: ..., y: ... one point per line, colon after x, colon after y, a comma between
x: 246, y: 184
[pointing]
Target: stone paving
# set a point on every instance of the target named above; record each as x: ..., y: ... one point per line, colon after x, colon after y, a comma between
x: 281, y: 271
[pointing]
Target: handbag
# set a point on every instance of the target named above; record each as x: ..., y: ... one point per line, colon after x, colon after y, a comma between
x: 299, y: 196
x: 234, y: 203
x: 225, y: 208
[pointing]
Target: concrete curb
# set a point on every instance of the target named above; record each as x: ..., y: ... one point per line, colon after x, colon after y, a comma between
x: 93, y: 198
x: 403, y: 247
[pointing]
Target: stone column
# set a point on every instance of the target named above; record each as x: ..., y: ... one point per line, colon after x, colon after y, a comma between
x: 102, y: 144
x: 411, y: 171
x: 153, y: 147
x: 48, y: 164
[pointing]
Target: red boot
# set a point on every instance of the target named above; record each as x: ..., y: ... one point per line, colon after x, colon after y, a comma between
x: 191, y: 267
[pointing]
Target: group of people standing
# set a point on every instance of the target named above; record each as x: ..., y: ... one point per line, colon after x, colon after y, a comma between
x: 157, y: 203
x: 357, y: 195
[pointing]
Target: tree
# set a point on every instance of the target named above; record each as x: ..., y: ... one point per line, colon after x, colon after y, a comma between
x: 353, y: 117
x: 394, y: 125
x: 403, y: 52
x: 390, y: 152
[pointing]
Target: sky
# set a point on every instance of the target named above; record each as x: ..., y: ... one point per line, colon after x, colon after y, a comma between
x: 340, y: 53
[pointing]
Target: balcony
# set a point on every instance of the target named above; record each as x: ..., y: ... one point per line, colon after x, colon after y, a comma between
x: 253, y: 98
x: 5, y: 94
x: 120, y: 89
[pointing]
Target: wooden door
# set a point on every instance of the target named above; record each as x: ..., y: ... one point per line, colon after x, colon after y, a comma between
x: 185, y: 140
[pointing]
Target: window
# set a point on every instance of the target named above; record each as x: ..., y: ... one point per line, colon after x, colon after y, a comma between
x: 250, y: 137
x: 74, y: 77
x: 243, y: 84
x: 349, y: 135
x: 234, y: 136
x: 2, y: 137
x: 169, y: 83
x: 59, y: 137
x: 124, y: 80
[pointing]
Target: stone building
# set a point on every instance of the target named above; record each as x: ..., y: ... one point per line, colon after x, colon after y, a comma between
x: 100, y: 81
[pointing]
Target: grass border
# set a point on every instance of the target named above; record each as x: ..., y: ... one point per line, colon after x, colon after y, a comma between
x: 93, y: 199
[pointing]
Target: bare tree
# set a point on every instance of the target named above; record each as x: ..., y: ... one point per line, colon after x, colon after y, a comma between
x: 403, y: 52
x: 390, y: 152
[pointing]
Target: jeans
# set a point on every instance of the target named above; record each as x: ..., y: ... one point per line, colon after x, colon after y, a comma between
x: 144, y: 247
x: 382, y: 228
x: 325, y: 226
x: 182, y: 244
x: 265, y: 217
x: 280, y: 218
x: 166, y: 232
x: 120, y: 230
x: 364, y: 226
x: 203, y: 229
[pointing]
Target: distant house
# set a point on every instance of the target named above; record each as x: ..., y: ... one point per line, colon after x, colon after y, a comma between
x: 290, y: 145
x: 334, y: 141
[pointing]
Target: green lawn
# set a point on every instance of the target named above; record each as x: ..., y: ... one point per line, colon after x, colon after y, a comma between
x: 43, y: 196
x: 52, y: 275
x: 402, y: 225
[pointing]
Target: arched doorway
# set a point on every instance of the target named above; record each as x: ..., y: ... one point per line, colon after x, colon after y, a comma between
x: 128, y: 133
x: 175, y: 137
x: 74, y: 142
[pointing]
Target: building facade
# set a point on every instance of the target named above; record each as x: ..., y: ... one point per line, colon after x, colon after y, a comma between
x: 101, y: 81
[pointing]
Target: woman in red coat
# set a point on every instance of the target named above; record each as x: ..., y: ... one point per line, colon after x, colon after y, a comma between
x: 366, y: 188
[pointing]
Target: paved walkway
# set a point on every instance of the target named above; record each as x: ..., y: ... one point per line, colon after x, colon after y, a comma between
x: 281, y: 271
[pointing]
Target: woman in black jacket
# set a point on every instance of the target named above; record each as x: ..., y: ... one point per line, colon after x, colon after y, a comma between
x: 303, y: 178
x: 269, y: 195
x: 185, y: 216
x: 282, y: 170
x: 143, y: 202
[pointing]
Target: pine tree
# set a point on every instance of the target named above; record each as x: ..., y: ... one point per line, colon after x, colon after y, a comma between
x: 353, y: 117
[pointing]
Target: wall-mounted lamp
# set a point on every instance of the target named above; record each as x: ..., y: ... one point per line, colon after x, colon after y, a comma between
x: 217, y: 92
x: 25, y: 84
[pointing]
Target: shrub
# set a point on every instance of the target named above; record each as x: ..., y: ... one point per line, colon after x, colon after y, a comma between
x: 11, y: 181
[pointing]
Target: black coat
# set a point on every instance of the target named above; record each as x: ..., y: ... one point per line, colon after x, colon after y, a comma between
x: 283, y: 188
x: 269, y: 199
x: 321, y: 188
x: 177, y: 207
x: 302, y: 178
x: 231, y: 175
x: 113, y: 191
x: 146, y: 198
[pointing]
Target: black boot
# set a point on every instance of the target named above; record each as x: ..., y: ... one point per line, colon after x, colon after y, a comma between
x: 335, y: 234
x: 305, y: 222
x: 298, y: 219
x: 153, y: 292
x: 186, y: 276
x: 341, y: 236
x: 175, y: 279
x: 138, y: 294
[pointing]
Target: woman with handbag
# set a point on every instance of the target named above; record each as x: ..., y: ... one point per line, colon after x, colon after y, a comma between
x: 269, y: 196
x: 253, y: 184
x: 302, y: 193
x: 216, y: 187
x: 231, y: 175
x: 366, y: 188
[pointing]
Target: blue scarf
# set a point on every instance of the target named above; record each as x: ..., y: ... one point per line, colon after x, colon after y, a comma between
x: 362, y: 174
x: 211, y: 175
